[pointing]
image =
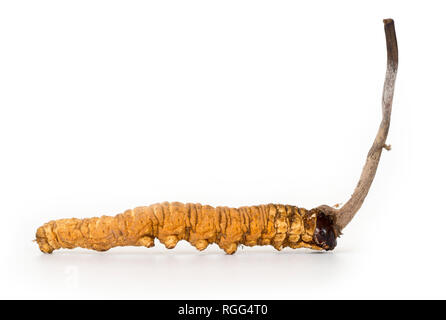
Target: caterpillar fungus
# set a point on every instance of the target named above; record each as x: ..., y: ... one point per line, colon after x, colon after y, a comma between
x: 277, y: 225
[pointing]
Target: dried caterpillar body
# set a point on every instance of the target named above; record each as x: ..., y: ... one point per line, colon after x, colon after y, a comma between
x: 277, y: 225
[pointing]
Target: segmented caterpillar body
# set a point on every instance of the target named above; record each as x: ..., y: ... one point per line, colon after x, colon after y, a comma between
x: 277, y: 225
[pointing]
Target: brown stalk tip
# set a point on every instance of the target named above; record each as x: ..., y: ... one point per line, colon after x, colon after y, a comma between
x: 388, y: 21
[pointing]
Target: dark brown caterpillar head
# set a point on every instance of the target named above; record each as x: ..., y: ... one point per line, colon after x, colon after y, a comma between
x: 325, y: 233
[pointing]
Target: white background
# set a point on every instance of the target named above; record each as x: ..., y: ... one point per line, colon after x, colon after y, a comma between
x: 108, y: 105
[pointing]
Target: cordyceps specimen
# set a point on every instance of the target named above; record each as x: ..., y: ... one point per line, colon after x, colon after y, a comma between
x: 272, y: 224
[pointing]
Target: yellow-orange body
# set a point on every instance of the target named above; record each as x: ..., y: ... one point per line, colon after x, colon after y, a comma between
x: 277, y: 225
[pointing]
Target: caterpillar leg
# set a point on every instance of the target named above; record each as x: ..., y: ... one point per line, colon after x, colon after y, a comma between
x: 146, y: 241
x: 201, y: 244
